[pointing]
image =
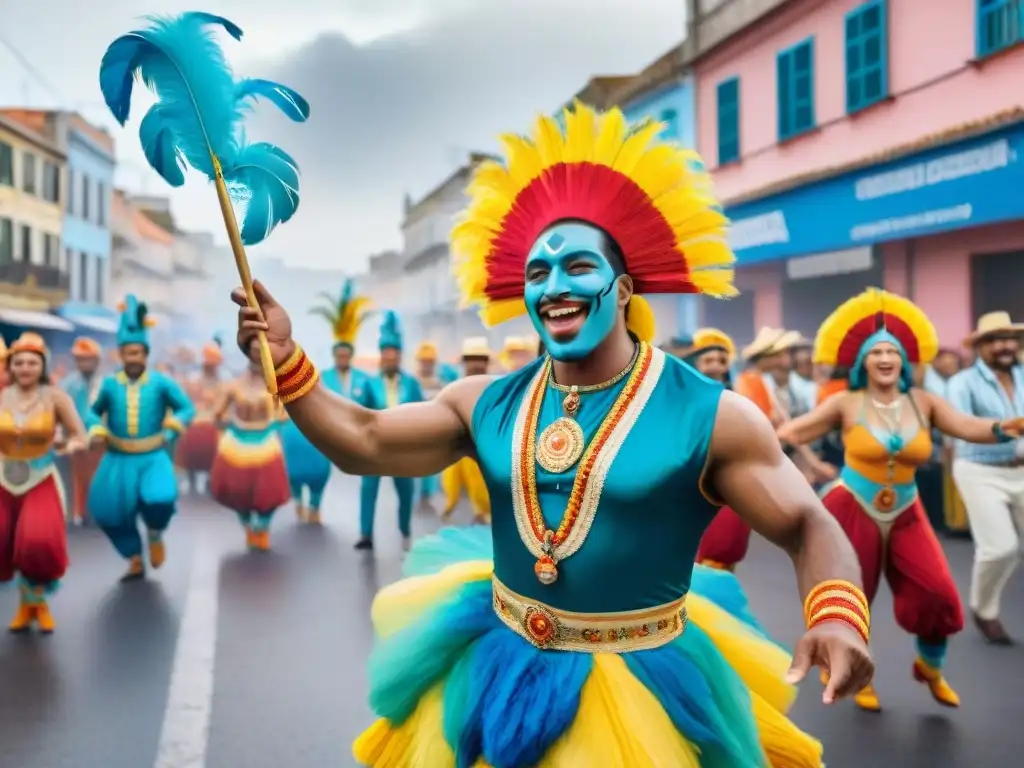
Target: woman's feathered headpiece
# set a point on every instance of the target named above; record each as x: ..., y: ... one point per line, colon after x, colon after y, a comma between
x: 652, y: 198
x: 345, y: 313
x: 842, y: 336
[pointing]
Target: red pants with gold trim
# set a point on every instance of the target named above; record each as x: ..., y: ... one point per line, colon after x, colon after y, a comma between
x: 33, y: 536
x: 725, y: 542
x: 925, y: 597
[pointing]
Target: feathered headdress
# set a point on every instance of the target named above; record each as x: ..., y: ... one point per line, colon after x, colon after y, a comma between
x: 712, y: 338
x: 842, y: 338
x: 135, y: 322
x: 197, y: 122
x: 390, y: 331
x: 213, y: 351
x: 653, y: 199
x: 344, y: 313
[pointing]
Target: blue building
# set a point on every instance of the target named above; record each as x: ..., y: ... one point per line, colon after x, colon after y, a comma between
x: 86, y: 227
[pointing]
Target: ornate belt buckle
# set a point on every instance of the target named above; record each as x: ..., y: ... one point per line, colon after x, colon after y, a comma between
x: 885, y: 499
x: 16, y: 472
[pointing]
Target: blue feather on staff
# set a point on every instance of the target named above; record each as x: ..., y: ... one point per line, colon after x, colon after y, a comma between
x: 198, y: 118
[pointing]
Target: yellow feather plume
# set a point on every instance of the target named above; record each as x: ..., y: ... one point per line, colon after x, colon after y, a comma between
x: 831, y: 338
x: 673, y: 180
x: 345, y: 314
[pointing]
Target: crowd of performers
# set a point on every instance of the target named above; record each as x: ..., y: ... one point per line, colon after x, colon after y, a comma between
x: 596, y: 619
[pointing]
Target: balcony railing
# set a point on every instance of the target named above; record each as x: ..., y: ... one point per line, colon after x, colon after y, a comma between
x: 20, y: 273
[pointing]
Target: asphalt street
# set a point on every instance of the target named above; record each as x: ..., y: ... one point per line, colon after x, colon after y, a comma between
x: 291, y: 635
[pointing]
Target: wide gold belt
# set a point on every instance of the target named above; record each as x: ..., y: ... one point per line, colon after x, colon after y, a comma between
x: 135, y: 444
x: 549, y: 628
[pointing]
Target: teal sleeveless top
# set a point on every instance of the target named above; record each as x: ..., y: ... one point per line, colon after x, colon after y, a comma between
x: 641, y: 545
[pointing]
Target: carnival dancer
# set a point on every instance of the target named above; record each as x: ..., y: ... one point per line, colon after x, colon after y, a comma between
x: 389, y: 389
x: 990, y: 479
x: 725, y: 542
x: 428, y: 373
x: 886, y: 424
x: 82, y: 386
x: 569, y: 648
x: 196, y: 448
x: 135, y: 414
x: 464, y: 476
x: 33, y: 537
x: 309, y: 470
x: 249, y: 475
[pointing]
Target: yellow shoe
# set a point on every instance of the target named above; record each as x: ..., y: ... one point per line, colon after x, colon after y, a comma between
x: 261, y: 540
x: 313, y: 518
x: 44, y: 619
x: 22, y: 620
x: 136, y: 569
x: 867, y: 699
x: 157, y: 553
x: 941, y: 691
x: 300, y: 513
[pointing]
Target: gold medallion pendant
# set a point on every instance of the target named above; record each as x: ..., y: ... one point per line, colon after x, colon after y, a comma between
x: 885, y: 499
x: 560, y: 445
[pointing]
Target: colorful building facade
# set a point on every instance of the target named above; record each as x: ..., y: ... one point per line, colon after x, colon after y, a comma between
x: 33, y: 273
x: 868, y: 142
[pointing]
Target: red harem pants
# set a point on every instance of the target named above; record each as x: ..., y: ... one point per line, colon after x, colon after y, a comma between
x: 725, y: 542
x: 83, y: 468
x: 33, y: 536
x: 925, y: 597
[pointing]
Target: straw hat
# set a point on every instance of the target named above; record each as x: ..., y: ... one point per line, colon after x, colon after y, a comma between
x: 476, y: 346
x: 766, y: 343
x: 992, y: 323
x: 792, y: 340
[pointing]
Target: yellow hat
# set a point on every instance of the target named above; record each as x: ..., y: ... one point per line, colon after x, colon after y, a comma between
x: 707, y: 338
x: 476, y: 346
x: 426, y: 351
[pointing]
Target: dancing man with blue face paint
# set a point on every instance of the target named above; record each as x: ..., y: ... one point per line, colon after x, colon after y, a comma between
x: 576, y: 631
x: 886, y: 424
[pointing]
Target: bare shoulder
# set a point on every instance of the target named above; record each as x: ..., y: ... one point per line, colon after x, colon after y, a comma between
x: 741, y: 430
x: 462, y: 395
x: 923, y: 399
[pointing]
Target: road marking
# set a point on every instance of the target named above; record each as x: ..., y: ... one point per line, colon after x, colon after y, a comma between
x: 185, y: 732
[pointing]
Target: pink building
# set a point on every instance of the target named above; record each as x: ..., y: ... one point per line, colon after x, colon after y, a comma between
x: 867, y: 142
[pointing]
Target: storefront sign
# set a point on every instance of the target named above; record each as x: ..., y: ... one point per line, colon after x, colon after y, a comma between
x: 827, y: 264
x: 973, y: 182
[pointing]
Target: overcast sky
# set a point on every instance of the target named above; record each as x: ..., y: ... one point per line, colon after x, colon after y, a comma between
x: 401, y: 90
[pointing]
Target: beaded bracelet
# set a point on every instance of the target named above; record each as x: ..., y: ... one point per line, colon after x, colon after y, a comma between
x: 296, y: 377
x: 837, y: 600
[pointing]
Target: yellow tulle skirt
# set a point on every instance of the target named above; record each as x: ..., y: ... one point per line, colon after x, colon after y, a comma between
x: 455, y: 687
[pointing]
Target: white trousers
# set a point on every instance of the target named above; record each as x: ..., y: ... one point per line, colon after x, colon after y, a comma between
x: 994, y: 499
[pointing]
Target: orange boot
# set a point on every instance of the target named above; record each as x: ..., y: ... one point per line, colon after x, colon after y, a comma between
x: 313, y: 518
x: 941, y: 690
x: 867, y: 699
x: 23, y: 617
x: 262, y: 540
x: 157, y: 551
x: 136, y: 569
x: 44, y: 619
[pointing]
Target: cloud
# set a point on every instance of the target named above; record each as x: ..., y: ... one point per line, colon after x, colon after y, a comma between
x: 399, y: 114
x: 394, y: 115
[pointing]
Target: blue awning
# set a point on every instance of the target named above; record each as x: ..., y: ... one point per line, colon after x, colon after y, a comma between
x: 24, y: 318
x: 96, y: 324
x: 91, y: 317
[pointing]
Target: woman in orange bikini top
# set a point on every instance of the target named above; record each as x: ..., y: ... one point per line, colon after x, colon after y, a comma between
x: 885, y: 422
x: 33, y: 538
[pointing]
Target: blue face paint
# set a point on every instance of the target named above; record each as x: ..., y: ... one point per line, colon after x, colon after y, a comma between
x: 859, y: 374
x: 568, y: 263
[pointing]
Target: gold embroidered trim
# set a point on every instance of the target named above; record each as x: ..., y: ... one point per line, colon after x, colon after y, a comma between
x: 605, y: 456
x: 548, y: 628
x: 135, y: 445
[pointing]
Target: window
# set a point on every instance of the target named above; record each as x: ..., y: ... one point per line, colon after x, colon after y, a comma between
x: 51, y: 250
x: 729, y: 121
x: 71, y: 192
x: 28, y: 172
x: 65, y: 263
x: 795, y: 70
x: 26, y: 243
x: 6, y: 165
x: 51, y: 182
x: 85, y: 198
x: 101, y: 205
x: 6, y: 241
x: 83, y: 276
x: 866, y: 56
x: 100, y: 273
x: 1000, y: 25
x: 671, y: 120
